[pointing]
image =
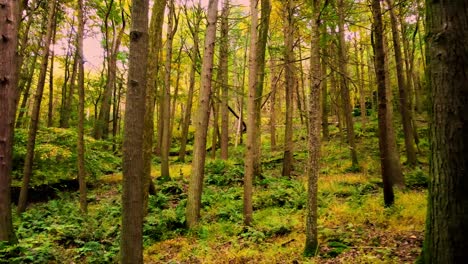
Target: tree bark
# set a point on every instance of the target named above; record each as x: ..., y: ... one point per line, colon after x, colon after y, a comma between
x: 403, y: 90
x: 131, y: 244
x: 28, y: 164
x: 9, y: 23
x: 250, y: 149
x: 311, y: 244
x: 263, y: 28
x: 223, y: 71
x: 81, y: 106
x: 166, y: 93
x: 50, y: 111
x: 194, y: 28
x: 447, y: 217
x: 389, y: 166
x: 101, y: 128
x: 325, y: 109
x: 343, y: 62
x: 290, y: 82
x: 201, y: 124
x: 155, y: 45
x: 23, y: 109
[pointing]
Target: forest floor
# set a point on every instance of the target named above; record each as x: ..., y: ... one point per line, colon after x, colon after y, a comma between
x: 353, y: 225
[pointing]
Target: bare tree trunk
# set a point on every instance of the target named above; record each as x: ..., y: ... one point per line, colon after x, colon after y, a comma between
x: 28, y: 163
x: 50, y: 111
x: 10, y: 11
x: 166, y: 92
x: 389, y: 166
x: 447, y: 218
x: 261, y: 48
x: 325, y: 109
x: 131, y: 244
x: 101, y: 128
x: 360, y: 83
x: 223, y: 71
x: 23, y: 109
x: 67, y: 107
x: 311, y: 244
x: 403, y: 91
x: 155, y: 45
x: 343, y: 62
x: 274, y: 80
x: 290, y: 82
x: 250, y: 149
x: 81, y: 106
x: 201, y: 124
x: 194, y: 55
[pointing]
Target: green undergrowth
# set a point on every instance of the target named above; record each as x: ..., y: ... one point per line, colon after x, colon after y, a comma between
x: 353, y: 225
x: 55, y: 156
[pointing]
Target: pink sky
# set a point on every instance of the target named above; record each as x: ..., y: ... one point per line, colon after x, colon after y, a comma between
x: 92, y: 46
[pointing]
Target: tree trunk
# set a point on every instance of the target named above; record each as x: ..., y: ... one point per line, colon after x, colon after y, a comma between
x: 23, y: 109
x: 290, y: 82
x: 447, y: 219
x: 50, y: 111
x: 201, y: 124
x: 166, y: 93
x: 29, y: 159
x: 311, y: 244
x: 223, y: 78
x: 9, y: 22
x: 343, y: 62
x: 250, y: 149
x: 261, y: 48
x: 389, y: 166
x: 325, y: 109
x: 67, y: 107
x: 101, y: 127
x: 274, y: 80
x: 81, y: 106
x: 405, y: 112
x: 194, y: 55
x: 155, y: 45
x: 131, y: 244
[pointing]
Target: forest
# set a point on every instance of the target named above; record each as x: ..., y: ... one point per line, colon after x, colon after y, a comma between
x: 233, y: 131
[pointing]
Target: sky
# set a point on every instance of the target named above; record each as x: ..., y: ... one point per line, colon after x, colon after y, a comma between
x: 92, y: 49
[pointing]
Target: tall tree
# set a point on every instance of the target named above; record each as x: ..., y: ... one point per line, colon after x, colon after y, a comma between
x: 81, y: 106
x: 314, y: 132
x: 165, y: 112
x: 101, y: 127
x: 345, y: 97
x: 201, y: 124
x: 290, y: 82
x: 131, y: 244
x: 405, y: 112
x: 155, y: 45
x: 194, y: 27
x: 390, y: 164
x: 447, y: 215
x: 223, y: 71
x: 250, y: 149
x: 263, y: 29
x: 28, y: 163
x: 9, y: 23
x: 50, y: 112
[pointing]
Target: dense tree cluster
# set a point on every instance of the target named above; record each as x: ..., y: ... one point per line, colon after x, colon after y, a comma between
x: 182, y: 78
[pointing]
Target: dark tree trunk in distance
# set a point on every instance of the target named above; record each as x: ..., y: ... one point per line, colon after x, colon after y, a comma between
x: 389, y: 167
